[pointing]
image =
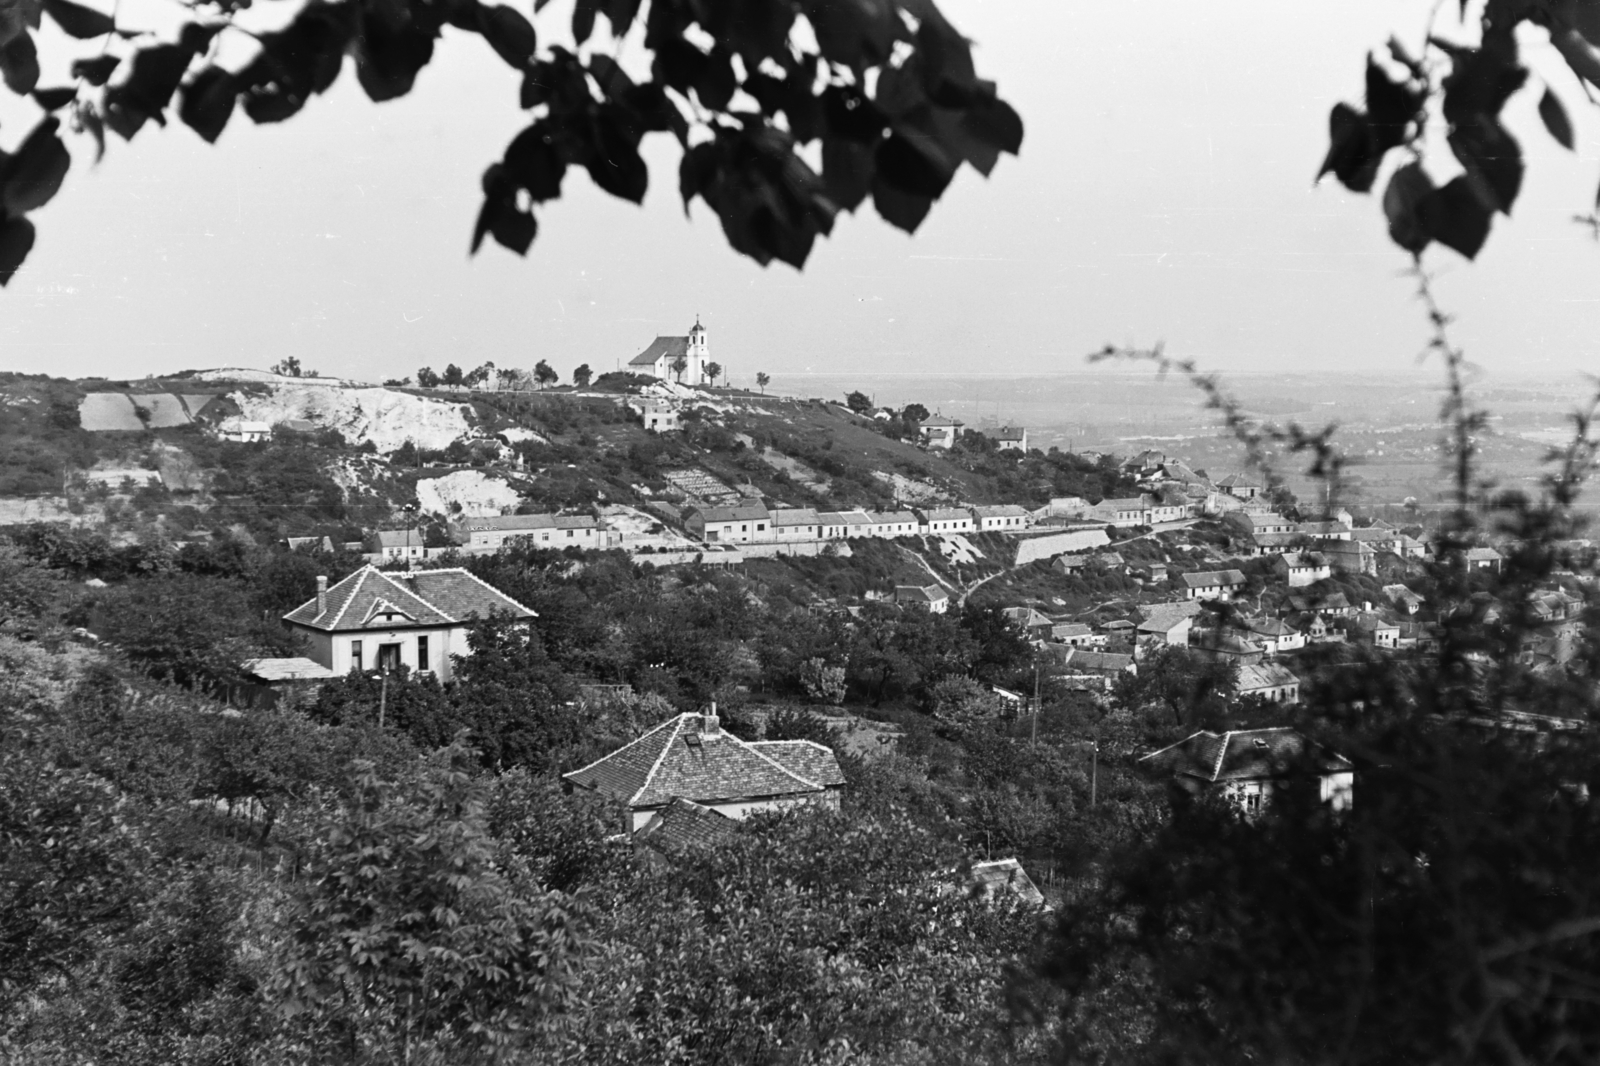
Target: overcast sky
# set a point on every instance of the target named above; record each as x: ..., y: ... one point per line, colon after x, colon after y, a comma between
x: 1164, y: 192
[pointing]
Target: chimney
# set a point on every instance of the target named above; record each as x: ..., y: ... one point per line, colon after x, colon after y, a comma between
x: 322, y: 593
x: 710, y: 725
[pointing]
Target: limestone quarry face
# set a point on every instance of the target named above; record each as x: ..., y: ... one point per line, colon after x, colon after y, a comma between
x: 478, y: 494
x: 385, y: 417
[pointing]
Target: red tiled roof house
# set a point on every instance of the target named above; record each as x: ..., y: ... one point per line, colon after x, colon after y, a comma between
x: 375, y: 620
x: 691, y: 757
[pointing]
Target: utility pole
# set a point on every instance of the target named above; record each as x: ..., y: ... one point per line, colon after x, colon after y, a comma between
x: 383, y: 699
x: 1094, y: 765
x: 1034, y: 740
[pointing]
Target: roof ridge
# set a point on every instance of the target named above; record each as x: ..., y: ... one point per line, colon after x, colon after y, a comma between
x: 775, y: 762
x: 360, y: 576
x: 485, y: 584
x: 418, y: 597
x: 661, y: 756
x: 1222, y: 754
x: 646, y: 735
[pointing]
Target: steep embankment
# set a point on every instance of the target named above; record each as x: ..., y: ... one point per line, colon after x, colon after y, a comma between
x: 385, y: 417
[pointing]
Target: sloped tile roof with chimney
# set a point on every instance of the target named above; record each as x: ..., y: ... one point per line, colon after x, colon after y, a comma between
x: 1246, y: 754
x: 425, y: 597
x: 748, y: 512
x: 1264, y: 676
x: 671, y: 347
x: 690, y: 756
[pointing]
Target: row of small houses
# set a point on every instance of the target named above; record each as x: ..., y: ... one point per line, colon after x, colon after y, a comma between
x: 754, y: 523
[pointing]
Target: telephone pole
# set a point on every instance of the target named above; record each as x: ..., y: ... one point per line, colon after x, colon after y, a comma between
x: 1033, y: 741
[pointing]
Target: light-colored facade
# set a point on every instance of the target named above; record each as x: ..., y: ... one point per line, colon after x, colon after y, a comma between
x: 1211, y: 584
x: 795, y: 523
x: 1010, y: 439
x: 931, y: 597
x: 664, y: 352
x: 1304, y: 568
x: 660, y: 417
x: 399, y: 545
x: 539, y: 530
x: 1250, y: 766
x: 893, y: 524
x: 740, y: 524
x: 1001, y: 518
x: 940, y: 432
x: 942, y: 520
x: 374, y: 620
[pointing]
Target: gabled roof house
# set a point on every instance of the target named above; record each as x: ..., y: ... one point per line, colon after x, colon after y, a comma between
x: 1248, y: 766
x: 691, y: 757
x: 373, y: 620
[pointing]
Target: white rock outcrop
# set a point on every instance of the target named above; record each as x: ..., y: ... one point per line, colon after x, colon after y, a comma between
x: 385, y: 417
x: 478, y: 494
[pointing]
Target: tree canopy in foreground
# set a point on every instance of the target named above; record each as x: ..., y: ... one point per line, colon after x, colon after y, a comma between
x: 887, y: 88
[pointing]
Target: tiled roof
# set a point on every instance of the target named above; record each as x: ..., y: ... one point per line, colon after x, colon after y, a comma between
x: 1026, y: 617
x: 1183, y: 607
x: 1303, y: 559
x: 946, y: 514
x: 1482, y: 555
x: 940, y: 421
x: 670, y: 347
x: 806, y: 758
x: 686, y: 824
x: 1244, y: 754
x: 1094, y: 661
x: 511, y: 522
x: 1205, y: 579
x: 1000, y: 510
x: 794, y: 516
x: 919, y: 594
x: 1070, y: 629
x: 1239, y: 481
x: 1010, y: 433
x: 742, y: 513
x: 1264, y: 676
x: 294, y: 669
x: 680, y: 757
x: 1126, y: 503
x: 1005, y: 877
x: 426, y: 597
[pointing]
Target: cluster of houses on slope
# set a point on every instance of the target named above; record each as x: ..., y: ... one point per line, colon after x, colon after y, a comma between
x: 753, y: 522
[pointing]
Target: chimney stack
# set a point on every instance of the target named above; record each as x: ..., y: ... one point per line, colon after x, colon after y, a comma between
x: 322, y: 593
x: 710, y: 725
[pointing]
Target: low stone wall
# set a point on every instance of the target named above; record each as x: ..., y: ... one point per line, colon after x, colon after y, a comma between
x: 709, y: 558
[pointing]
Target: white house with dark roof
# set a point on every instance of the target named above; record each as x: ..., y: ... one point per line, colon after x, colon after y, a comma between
x: 893, y: 524
x: 1001, y: 518
x: 795, y: 523
x: 1009, y: 438
x: 374, y: 620
x: 930, y: 597
x: 1269, y: 681
x: 743, y: 523
x: 691, y: 757
x: 942, y: 520
x: 492, y: 532
x: 1123, y: 511
x: 1211, y: 584
x: 940, y: 432
x: 1304, y: 568
x: 1249, y: 766
x: 658, y: 359
x: 1242, y: 486
x: 398, y: 545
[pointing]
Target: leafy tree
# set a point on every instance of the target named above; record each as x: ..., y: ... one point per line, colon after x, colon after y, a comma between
x: 1194, y: 686
x: 915, y: 413
x: 713, y: 371
x: 427, y: 379
x: 588, y: 113
x: 289, y: 367
x: 396, y: 383
x: 442, y: 945
x: 763, y: 380
x: 453, y: 377
x: 859, y: 402
x: 1470, y: 86
x: 679, y: 365
x: 582, y: 376
x: 544, y: 374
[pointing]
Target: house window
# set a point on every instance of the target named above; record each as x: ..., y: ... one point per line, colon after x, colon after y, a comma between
x: 423, y: 662
x: 355, y: 655
x: 388, y: 657
x: 569, y: 534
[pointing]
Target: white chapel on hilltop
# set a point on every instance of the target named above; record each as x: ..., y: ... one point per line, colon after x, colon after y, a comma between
x: 658, y: 359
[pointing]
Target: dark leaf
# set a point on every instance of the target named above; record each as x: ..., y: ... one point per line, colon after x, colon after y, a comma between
x: 900, y: 209
x: 1479, y: 83
x: 612, y: 79
x: 55, y: 99
x: 853, y: 32
x: 514, y: 228
x: 19, y: 64
x: 996, y: 123
x: 945, y: 58
x: 208, y: 102
x: 620, y: 13
x: 532, y: 163
x: 197, y: 36
x: 583, y: 13
x: 913, y: 162
x: 153, y: 79
x: 1402, y: 201
x: 35, y: 171
x: 1456, y: 217
x: 716, y: 84
x: 679, y: 64
x: 79, y: 21
x: 508, y: 33
x: 852, y: 116
x: 615, y: 164
x: 535, y: 91
x: 847, y: 168
x: 958, y: 141
x: 1353, y: 154
x: 96, y: 71
x: 388, y: 57
x: 1555, y: 118
x: 1391, y: 107
x: 1492, y: 159
x: 16, y: 241
x: 698, y: 171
